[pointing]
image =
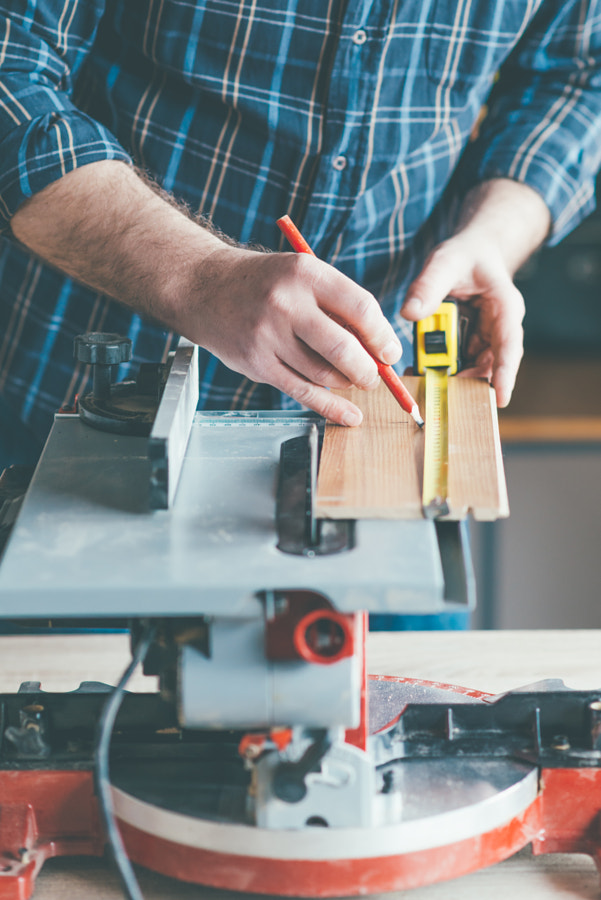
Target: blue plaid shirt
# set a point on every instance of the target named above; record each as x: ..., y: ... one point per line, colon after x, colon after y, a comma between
x: 353, y: 116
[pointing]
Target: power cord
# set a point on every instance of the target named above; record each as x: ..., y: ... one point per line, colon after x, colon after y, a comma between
x: 129, y: 882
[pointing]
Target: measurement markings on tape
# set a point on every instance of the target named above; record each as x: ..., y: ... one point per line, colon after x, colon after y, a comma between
x: 436, y: 448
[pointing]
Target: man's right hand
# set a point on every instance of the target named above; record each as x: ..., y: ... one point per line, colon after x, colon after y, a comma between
x: 275, y: 317
x: 279, y: 318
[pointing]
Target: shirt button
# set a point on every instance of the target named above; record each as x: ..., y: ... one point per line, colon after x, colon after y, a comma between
x: 359, y: 37
x: 340, y: 163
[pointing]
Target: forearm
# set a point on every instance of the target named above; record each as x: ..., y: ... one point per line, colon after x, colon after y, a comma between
x: 105, y: 227
x: 511, y: 215
x: 283, y: 318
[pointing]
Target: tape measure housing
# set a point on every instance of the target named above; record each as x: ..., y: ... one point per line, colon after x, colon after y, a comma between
x: 436, y: 339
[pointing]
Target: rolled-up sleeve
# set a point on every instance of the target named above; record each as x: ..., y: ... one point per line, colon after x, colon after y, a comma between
x: 543, y: 126
x: 42, y: 134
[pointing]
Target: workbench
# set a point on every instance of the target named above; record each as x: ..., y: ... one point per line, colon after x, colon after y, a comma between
x: 486, y: 660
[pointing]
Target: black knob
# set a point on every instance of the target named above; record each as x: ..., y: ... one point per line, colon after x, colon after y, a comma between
x: 288, y: 780
x: 102, y: 350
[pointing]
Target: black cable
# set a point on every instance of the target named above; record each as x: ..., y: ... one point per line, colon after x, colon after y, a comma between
x: 129, y: 882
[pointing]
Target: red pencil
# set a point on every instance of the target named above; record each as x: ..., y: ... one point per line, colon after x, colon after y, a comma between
x: 387, y: 373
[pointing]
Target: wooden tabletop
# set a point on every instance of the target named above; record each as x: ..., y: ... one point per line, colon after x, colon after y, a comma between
x: 556, y: 400
x: 489, y: 661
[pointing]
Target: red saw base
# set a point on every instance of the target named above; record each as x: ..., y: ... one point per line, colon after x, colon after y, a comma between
x: 332, y: 878
x: 44, y: 814
x: 564, y: 818
x: 52, y: 813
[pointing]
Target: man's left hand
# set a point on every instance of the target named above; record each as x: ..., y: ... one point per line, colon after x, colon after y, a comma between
x: 501, y: 224
x: 473, y: 271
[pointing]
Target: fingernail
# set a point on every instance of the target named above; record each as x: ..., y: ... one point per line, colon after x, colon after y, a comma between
x: 352, y: 417
x: 412, y: 305
x: 392, y: 352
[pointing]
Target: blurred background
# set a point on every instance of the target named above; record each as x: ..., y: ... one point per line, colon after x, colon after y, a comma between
x: 541, y: 568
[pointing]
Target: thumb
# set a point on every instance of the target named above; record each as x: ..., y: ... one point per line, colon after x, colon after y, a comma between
x: 437, y: 280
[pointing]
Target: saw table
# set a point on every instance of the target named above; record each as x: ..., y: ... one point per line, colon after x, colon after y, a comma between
x: 267, y: 761
x: 490, y: 661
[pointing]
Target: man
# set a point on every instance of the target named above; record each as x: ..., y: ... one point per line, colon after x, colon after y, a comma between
x: 355, y: 118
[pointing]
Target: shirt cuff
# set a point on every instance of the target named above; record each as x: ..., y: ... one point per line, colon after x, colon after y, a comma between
x: 569, y: 195
x: 42, y: 150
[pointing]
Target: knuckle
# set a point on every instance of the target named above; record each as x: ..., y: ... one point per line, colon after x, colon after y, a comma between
x: 443, y: 252
x: 519, y: 303
x: 304, y: 267
x: 277, y: 299
x: 443, y: 258
x: 366, y: 306
x: 340, y: 352
x: 324, y: 374
x: 345, y: 358
x: 330, y: 409
x: 304, y: 392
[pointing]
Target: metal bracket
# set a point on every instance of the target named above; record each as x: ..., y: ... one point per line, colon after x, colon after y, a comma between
x: 171, y: 430
x: 456, y: 559
x: 299, y: 531
x: 548, y: 727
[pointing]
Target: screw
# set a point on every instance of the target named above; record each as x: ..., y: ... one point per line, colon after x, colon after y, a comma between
x: 560, y: 742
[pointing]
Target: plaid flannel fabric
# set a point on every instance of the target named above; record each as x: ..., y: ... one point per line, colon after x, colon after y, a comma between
x: 353, y: 116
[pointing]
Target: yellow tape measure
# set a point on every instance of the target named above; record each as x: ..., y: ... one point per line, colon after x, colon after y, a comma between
x: 436, y: 355
x: 436, y: 445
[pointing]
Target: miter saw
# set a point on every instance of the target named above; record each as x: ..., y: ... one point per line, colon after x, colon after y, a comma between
x: 268, y: 761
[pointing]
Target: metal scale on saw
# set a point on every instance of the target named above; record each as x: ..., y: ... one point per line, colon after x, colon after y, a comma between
x: 268, y: 762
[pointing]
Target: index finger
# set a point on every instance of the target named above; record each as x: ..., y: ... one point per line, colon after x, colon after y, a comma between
x: 358, y: 310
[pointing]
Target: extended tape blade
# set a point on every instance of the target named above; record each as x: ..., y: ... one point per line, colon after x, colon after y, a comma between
x: 436, y: 447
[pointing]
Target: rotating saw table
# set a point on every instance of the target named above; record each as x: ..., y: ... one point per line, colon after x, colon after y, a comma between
x: 266, y: 762
x: 491, y: 661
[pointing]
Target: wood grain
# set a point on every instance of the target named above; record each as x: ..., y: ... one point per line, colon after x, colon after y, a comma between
x: 476, y: 474
x: 375, y: 471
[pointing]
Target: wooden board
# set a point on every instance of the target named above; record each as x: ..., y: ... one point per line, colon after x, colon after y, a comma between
x: 375, y: 471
